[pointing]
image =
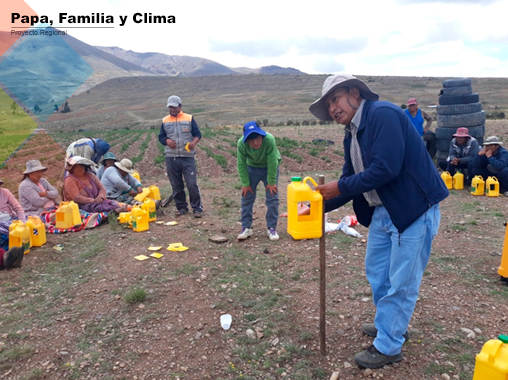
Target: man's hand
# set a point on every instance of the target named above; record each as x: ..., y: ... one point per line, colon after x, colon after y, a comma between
x: 272, y: 188
x: 482, y: 152
x: 455, y: 161
x: 139, y: 189
x: 488, y: 152
x: 132, y: 192
x: 171, y: 143
x: 329, y: 190
x: 245, y: 191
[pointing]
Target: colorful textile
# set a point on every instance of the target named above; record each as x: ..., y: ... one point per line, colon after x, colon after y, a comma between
x: 89, y: 220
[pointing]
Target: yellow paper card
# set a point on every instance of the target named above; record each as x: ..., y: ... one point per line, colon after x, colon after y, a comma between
x: 154, y: 248
x: 159, y: 222
x: 175, y: 245
x: 141, y: 257
x: 58, y: 247
x: 171, y: 223
x: 157, y: 255
x: 180, y: 249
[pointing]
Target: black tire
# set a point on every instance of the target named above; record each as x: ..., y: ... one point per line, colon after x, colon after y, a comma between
x: 443, y: 145
x: 463, y: 120
x: 441, y: 156
x: 447, y: 133
x: 457, y: 82
x: 445, y: 100
x: 459, y: 109
x: 462, y: 90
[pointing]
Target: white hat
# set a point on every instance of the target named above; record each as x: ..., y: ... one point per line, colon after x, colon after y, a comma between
x: 125, y: 165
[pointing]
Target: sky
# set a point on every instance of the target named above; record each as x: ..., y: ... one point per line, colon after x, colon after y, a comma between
x: 467, y: 38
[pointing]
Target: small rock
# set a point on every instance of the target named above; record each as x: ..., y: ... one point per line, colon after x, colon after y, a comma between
x: 218, y: 239
x: 275, y: 342
x: 445, y: 376
x: 347, y: 365
x: 141, y: 306
x: 335, y: 375
x: 250, y: 333
x: 470, y: 333
x: 496, y: 253
x: 368, y: 372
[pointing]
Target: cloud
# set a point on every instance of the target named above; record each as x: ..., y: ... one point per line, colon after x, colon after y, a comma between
x: 304, y: 45
x: 453, y: 2
x: 328, y: 65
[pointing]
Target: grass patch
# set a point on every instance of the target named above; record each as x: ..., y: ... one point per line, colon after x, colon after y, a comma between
x: 136, y: 295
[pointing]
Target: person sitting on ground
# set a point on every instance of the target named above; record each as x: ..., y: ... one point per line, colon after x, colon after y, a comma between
x: 108, y: 160
x: 35, y: 193
x: 10, y: 210
x: 416, y: 115
x: 492, y: 160
x: 84, y: 188
x: 120, y: 184
x: 258, y: 159
x: 463, y: 148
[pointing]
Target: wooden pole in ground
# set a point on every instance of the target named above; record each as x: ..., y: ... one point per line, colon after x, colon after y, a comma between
x: 322, y: 282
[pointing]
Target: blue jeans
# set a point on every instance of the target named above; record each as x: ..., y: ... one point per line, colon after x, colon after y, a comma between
x: 272, y: 201
x: 395, y: 264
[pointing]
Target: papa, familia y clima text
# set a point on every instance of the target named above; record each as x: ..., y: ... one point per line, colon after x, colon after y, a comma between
x: 93, y: 18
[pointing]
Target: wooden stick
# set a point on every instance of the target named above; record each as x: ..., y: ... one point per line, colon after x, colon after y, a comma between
x: 322, y: 282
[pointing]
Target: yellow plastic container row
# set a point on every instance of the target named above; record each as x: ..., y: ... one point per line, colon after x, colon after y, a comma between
x: 150, y: 192
x: 304, y: 226
x: 67, y: 215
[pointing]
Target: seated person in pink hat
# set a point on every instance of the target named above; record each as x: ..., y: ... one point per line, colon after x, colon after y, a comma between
x: 35, y: 193
x: 492, y: 160
x: 463, y: 148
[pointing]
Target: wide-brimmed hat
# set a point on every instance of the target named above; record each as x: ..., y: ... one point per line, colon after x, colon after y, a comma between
x: 318, y: 108
x: 71, y: 161
x: 462, y: 132
x: 1, y: 182
x: 174, y: 101
x: 125, y: 165
x: 412, y: 101
x: 493, y: 140
x: 250, y: 128
x: 108, y: 156
x: 34, y: 166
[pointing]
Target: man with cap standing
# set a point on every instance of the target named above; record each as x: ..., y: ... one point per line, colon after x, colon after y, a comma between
x: 492, y: 160
x: 180, y: 134
x: 396, y: 190
x: 258, y: 159
x: 463, y: 148
x: 417, y: 115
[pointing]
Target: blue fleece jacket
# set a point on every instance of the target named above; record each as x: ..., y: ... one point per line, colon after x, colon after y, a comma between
x: 397, y: 166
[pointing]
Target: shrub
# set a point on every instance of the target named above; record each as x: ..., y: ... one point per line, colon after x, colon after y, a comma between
x: 135, y: 295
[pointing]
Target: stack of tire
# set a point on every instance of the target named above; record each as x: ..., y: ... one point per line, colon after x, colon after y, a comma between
x: 458, y: 107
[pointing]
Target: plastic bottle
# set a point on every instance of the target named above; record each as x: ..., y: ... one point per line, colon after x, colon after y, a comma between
x: 149, y: 207
x: 447, y: 178
x: 503, y: 268
x: 67, y: 215
x: 304, y: 226
x: 492, y: 187
x: 477, y: 185
x: 19, y: 236
x: 458, y: 181
x: 141, y: 196
x: 154, y: 193
x: 492, y: 361
x: 136, y: 175
x: 37, y: 231
x: 139, y: 219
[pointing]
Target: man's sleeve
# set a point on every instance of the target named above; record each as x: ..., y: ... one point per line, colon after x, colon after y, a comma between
x: 162, y: 135
x: 195, y: 129
x: 428, y: 118
x: 272, y: 162
x: 241, y: 164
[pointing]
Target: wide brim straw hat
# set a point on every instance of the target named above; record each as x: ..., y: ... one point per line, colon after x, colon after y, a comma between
x: 34, y: 166
x: 125, y: 165
x: 71, y: 161
x: 491, y: 140
x: 344, y: 80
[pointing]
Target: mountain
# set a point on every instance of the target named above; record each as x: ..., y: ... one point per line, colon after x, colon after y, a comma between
x: 185, y: 66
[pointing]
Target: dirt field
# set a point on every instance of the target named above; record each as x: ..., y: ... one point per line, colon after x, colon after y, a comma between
x: 91, y: 311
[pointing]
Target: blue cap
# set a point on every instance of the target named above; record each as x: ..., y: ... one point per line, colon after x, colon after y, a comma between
x: 101, y: 146
x: 252, y: 127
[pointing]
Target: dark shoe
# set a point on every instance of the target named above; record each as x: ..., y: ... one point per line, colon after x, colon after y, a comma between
x: 166, y: 202
x: 13, y: 257
x: 372, y: 358
x: 181, y: 212
x: 371, y: 330
x: 198, y: 214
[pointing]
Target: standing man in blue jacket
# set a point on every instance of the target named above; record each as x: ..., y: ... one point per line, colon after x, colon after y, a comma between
x: 180, y: 134
x: 396, y: 192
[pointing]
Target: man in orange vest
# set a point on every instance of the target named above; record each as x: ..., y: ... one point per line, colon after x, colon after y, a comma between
x: 180, y: 134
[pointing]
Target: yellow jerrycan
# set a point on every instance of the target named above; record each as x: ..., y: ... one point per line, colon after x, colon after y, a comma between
x: 155, y: 194
x: 19, y: 236
x: 67, y: 215
x: 477, y: 185
x: 492, y: 361
x: 458, y: 181
x: 139, y: 219
x: 149, y: 207
x: 136, y: 175
x: 492, y: 187
x: 503, y: 269
x: 447, y: 178
x: 124, y: 217
x: 37, y: 231
x: 304, y: 226
x: 141, y: 196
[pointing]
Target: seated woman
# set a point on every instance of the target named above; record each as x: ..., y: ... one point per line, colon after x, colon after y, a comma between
x: 84, y: 188
x: 10, y: 210
x: 108, y: 160
x: 35, y: 193
x: 120, y: 184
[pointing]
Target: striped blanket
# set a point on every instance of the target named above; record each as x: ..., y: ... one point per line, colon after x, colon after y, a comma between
x: 89, y: 220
